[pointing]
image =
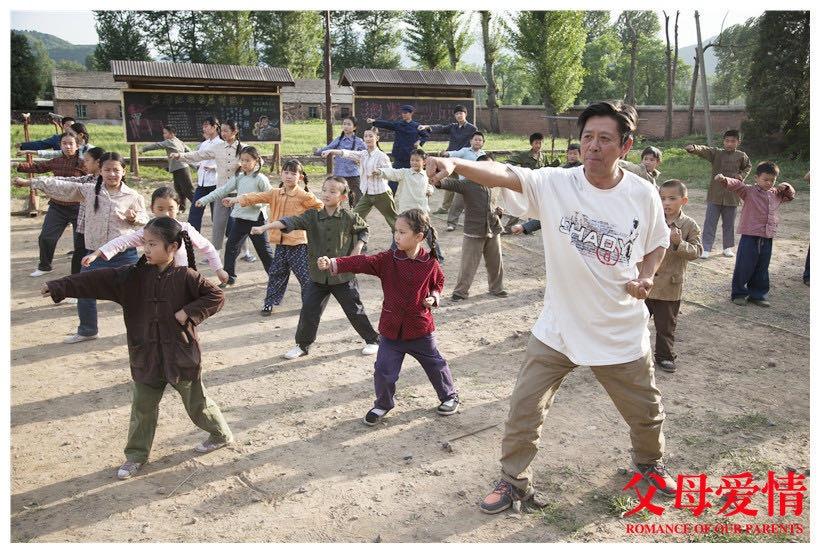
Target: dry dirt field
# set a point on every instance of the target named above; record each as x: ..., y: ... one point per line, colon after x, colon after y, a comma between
x: 305, y: 469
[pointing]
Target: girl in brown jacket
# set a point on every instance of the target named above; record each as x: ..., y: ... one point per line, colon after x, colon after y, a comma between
x: 162, y: 306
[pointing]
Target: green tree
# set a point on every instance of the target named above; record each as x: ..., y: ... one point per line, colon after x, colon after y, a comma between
x: 345, y: 41
x: 455, y: 27
x: 552, y: 44
x: 602, y: 57
x: 491, y: 41
x: 164, y: 37
x: 423, y: 39
x: 635, y: 28
x: 192, y: 32
x: 291, y: 39
x: 45, y: 67
x: 777, y: 91
x: 515, y: 83
x: 232, y: 43
x: 25, y: 80
x: 734, y: 48
x: 120, y: 37
x: 381, y: 39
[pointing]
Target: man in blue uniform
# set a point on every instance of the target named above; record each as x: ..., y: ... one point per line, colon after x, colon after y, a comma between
x: 407, y: 138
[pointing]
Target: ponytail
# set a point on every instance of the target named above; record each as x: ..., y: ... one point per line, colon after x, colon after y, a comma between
x: 97, y: 188
x: 189, y: 248
x: 431, y: 231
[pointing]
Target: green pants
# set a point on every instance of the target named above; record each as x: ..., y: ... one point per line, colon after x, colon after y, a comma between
x: 145, y: 411
x: 383, y: 202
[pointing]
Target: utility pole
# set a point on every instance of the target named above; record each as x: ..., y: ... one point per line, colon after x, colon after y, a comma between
x: 328, y: 104
x: 706, y: 115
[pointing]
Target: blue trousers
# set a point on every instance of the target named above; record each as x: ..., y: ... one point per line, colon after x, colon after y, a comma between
x: 751, y: 276
x: 286, y: 258
x: 87, y: 308
x: 388, y: 366
x: 806, y: 270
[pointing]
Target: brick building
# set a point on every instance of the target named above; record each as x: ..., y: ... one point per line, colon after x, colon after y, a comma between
x: 88, y: 96
x: 306, y: 100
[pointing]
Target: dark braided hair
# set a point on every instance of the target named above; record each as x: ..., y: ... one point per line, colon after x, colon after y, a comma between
x: 111, y: 155
x: 294, y: 165
x: 253, y: 153
x: 164, y: 192
x: 171, y: 232
x: 80, y: 128
x: 419, y: 222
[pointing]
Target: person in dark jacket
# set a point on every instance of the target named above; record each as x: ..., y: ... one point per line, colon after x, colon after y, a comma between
x: 162, y: 305
x: 407, y: 138
x: 49, y: 143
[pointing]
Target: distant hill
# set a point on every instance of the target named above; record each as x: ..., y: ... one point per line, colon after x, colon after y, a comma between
x: 58, y: 49
x: 687, y: 53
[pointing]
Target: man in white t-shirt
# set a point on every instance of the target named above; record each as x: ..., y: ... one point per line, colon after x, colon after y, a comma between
x: 604, y: 236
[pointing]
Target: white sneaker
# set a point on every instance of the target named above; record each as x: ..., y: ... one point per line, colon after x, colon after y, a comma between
x: 451, y: 228
x: 705, y: 254
x: 38, y: 273
x: 128, y: 469
x: 370, y: 349
x: 75, y: 338
x: 295, y: 353
x: 69, y: 301
x: 728, y: 253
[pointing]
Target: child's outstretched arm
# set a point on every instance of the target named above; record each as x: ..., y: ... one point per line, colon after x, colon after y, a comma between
x: 785, y: 191
x: 204, y: 246
x: 116, y: 245
x: 54, y: 187
x: 259, y: 229
x: 248, y: 199
x: 99, y: 284
x: 209, y: 301
x: 734, y: 185
x: 701, y: 151
x: 367, y: 265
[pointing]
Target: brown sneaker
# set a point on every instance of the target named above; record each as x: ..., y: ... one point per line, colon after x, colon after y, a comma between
x: 503, y: 497
x: 659, y: 477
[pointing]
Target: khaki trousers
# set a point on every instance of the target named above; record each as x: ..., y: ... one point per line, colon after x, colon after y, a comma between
x: 631, y: 386
x: 203, y: 411
x: 472, y: 249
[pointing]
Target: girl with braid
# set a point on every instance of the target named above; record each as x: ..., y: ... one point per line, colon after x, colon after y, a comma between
x: 162, y: 305
x: 112, y: 209
x: 412, y: 281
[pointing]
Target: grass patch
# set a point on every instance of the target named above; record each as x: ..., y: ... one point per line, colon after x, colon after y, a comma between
x: 618, y: 505
x: 747, y: 422
x: 558, y: 516
x: 746, y: 460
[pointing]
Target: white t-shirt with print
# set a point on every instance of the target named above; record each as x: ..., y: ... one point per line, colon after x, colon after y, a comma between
x: 593, y: 238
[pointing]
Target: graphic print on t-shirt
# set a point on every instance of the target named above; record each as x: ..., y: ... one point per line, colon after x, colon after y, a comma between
x: 599, y: 239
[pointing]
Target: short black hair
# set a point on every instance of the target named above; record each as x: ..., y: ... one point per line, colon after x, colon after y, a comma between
x: 460, y: 109
x: 731, y: 133
x: 535, y: 136
x: 477, y: 133
x: 624, y: 114
x: 169, y: 128
x: 486, y: 156
x: 67, y: 118
x: 654, y: 151
x: 767, y: 167
x: 574, y: 147
x: 677, y: 185
x: 418, y: 153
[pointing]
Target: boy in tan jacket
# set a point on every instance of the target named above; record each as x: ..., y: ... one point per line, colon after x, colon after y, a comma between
x: 684, y: 245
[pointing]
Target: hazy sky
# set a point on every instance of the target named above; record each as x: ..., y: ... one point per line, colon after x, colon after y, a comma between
x: 77, y: 27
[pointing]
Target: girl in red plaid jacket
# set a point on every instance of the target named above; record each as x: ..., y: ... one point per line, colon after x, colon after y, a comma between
x: 412, y: 281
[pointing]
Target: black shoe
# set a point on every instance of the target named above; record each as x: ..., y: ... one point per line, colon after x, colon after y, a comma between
x: 231, y: 282
x: 806, y: 282
x: 667, y: 365
x: 448, y: 407
x: 502, y: 498
x: 659, y: 477
x: 502, y: 294
x: 372, y: 417
x: 266, y: 311
x: 457, y: 298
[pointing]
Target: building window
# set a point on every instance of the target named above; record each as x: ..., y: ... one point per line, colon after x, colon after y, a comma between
x: 81, y: 110
x: 313, y: 112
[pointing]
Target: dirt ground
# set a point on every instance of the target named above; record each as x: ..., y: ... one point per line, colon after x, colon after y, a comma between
x: 305, y: 469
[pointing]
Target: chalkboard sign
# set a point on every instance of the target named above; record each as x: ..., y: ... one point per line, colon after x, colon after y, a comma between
x: 427, y: 111
x: 146, y: 111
